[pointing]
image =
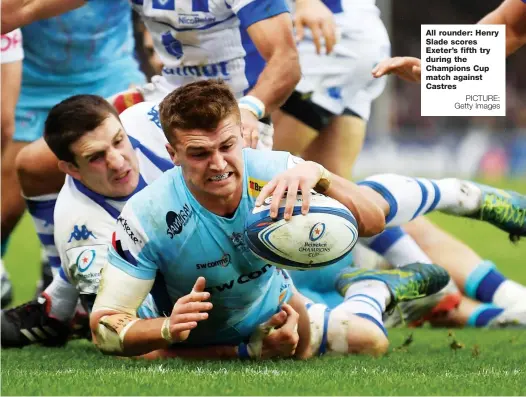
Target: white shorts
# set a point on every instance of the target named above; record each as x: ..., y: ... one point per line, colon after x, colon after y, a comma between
x: 12, y: 50
x: 343, y: 79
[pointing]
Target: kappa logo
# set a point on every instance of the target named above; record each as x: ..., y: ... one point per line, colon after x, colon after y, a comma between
x: 255, y: 186
x: 176, y: 221
x: 129, y: 232
x: 80, y: 234
x: 154, y: 116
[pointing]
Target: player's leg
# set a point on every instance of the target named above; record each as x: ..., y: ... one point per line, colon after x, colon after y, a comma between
x: 406, y: 198
x: 46, y: 320
x: 338, y: 145
x: 290, y: 134
x: 41, y: 180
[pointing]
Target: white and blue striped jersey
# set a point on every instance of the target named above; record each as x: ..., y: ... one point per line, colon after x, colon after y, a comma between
x: 85, y: 220
x: 203, y: 39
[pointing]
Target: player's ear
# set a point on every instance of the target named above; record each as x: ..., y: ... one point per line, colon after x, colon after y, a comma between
x: 69, y: 168
x: 172, y: 153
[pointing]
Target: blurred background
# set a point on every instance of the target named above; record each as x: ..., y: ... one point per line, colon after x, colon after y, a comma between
x: 400, y: 140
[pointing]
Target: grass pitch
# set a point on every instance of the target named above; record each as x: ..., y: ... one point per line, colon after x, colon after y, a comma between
x: 437, y: 362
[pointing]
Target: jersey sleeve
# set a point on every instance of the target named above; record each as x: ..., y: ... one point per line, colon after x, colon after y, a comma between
x: 252, y: 11
x: 130, y: 248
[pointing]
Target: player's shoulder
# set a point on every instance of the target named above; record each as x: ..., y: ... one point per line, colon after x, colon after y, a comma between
x: 263, y: 164
x: 78, y: 219
x: 141, y: 116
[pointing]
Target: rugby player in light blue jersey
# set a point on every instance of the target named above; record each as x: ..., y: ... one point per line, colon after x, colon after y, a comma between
x: 195, y: 213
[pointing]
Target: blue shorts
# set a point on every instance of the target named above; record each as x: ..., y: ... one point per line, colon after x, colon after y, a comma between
x: 36, y: 100
x: 320, y: 285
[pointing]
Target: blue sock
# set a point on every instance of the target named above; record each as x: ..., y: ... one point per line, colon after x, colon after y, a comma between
x: 5, y: 243
x: 385, y: 240
x: 41, y: 210
x: 483, y: 315
x: 483, y: 281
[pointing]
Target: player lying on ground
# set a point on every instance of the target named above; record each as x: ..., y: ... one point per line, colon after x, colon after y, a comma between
x: 204, y: 202
x: 108, y: 166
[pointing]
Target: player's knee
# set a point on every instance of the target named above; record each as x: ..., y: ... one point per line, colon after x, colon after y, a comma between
x: 369, y: 340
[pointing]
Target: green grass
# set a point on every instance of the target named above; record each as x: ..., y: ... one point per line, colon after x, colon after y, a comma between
x: 491, y: 362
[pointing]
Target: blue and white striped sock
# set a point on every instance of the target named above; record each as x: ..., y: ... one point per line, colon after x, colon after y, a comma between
x: 41, y: 209
x: 412, y: 197
x: 367, y: 299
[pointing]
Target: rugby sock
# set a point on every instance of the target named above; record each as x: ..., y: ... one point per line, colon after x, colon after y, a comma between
x: 411, y: 197
x: 41, y: 209
x: 483, y: 314
x: 397, y: 247
x: 486, y: 284
x: 62, y: 297
x: 5, y: 242
x: 367, y: 299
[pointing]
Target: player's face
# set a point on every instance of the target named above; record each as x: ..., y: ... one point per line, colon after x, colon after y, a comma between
x: 106, y: 161
x: 212, y: 162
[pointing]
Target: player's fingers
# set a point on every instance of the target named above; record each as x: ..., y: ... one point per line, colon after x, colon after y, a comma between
x: 276, y: 198
x: 305, y: 197
x: 292, y: 193
x: 254, y: 138
x: 199, y: 285
x: 265, y: 192
x: 193, y: 307
x: 329, y: 33
x: 246, y: 135
x: 417, y: 72
x: 176, y: 329
x: 291, y: 322
x: 193, y: 297
x: 316, y: 36
x: 300, y: 31
x: 277, y: 320
x: 188, y: 318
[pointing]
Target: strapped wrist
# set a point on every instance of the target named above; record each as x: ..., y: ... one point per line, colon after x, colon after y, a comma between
x: 165, y: 331
x: 253, y: 105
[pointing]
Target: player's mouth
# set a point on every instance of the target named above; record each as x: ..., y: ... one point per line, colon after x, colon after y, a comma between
x: 123, y: 177
x: 221, y: 178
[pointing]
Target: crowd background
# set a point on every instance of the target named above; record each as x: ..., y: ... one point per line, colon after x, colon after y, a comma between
x: 489, y: 147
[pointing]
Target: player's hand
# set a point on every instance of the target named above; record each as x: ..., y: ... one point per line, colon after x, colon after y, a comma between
x: 189, y: 310
x: 283, y: 339
x: 250, y: 128
x: 304, y: 177
x: 407, y: 68
x: 315, y: 15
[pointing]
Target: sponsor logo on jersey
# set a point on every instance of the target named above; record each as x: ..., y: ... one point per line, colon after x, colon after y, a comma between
x: 127, y: 229
x: 242, y: 279
x: 176, y: 221
x: 224, y: 262
x: 154, y: 116
x: 212, y: 70
x: 239, y: 241
x: 255, y: 186
x: 85, y: 259
x: 196, y: 19
x: 80, y: 234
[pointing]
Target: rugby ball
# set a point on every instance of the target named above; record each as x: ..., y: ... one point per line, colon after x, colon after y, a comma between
x: 324, y: 236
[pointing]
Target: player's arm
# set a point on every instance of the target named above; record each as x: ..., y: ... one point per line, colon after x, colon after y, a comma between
x: 368, y: 209
x: 511, y: 13
x: 274, y: 40
x: 17, y: 13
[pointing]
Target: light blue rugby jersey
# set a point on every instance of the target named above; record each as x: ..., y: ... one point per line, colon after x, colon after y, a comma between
x: 164, y: 228
x: 81, y: 46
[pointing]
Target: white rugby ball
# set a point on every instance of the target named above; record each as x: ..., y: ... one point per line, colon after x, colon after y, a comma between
x: 324, y: 236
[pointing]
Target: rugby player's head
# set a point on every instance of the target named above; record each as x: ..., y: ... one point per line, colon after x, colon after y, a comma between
x: 85, y: 133
x: 202, y: 124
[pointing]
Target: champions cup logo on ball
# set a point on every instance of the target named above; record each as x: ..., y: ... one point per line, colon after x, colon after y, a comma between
x: 322, y: 237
